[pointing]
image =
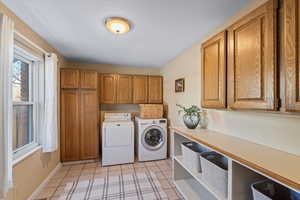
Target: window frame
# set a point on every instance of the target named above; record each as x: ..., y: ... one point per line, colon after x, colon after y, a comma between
x: 33, y: 99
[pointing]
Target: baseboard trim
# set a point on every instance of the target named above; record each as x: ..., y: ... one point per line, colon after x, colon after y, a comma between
x: 44, y: 183
x: 79, y: 162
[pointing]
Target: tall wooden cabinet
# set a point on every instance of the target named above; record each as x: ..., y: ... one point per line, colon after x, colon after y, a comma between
x: 214, y: 72
x: 292, y: 54
x: 89, y: 125
x: 140, y: 89
x: 79, y: 115
x: 155, y: 89
x: 70, y: 126
x: 252, y: 60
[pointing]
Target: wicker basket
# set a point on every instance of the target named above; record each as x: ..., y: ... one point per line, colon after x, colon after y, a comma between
x: 151, y: 111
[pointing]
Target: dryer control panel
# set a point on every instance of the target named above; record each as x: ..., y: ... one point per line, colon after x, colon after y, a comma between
x: 112, y: 117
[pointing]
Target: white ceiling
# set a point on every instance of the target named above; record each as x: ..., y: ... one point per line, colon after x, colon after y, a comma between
x: 162, y: 29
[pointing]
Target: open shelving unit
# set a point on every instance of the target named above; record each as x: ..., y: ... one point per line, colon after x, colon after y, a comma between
x: 188, y: 186
x: 198, y: 177
x: 192, y: 185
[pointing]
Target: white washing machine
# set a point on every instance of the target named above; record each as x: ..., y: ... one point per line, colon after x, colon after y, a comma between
x: 117, y: 139
x: 151, y: 139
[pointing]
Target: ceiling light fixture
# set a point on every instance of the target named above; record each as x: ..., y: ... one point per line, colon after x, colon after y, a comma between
x: 117, y: 25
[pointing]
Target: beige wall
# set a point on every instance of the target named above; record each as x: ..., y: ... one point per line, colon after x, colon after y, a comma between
x: 107, y: 68
x: 275, y: 130
x: 30, y: 172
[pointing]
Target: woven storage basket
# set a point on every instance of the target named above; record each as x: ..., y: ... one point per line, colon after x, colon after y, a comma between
x: 151, y: 111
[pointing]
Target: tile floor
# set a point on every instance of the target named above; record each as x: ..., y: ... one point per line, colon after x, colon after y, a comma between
x: 59, y: 185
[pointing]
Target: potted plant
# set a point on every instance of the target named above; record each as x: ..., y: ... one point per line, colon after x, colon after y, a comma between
x: 191, y: 116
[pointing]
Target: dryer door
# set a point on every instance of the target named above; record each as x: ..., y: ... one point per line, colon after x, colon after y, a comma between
x: 117, y: 135
x: 153, y: 138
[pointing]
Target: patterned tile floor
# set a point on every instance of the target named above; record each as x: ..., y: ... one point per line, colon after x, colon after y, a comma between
x: 59, y: 185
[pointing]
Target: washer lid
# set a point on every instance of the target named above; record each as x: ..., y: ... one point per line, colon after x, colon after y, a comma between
x: 153, y: 137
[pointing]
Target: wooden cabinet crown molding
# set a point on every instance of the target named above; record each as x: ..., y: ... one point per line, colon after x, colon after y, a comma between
x: 252, y: 61
x: 213, y: 73
x: 292, y: 53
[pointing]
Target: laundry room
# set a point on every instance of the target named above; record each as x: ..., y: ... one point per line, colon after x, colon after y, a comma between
x: 149, y: 100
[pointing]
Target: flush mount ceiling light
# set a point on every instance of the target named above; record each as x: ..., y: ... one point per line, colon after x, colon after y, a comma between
x: 117, y: 25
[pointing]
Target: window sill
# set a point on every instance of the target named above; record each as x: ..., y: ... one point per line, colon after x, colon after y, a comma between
x: 25, y: 155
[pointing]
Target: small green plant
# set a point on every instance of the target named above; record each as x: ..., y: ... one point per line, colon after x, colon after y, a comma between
x: 191, y: 111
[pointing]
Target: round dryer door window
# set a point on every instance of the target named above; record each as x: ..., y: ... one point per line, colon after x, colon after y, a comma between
x: 153, y: 138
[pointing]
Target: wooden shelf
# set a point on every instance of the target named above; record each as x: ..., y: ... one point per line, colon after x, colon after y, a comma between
x: 189, y: 187
x: 199, y: 178
x: 262, y: 159
x: 186, y: 188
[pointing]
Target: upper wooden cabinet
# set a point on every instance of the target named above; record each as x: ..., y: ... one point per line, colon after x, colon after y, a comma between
x: 128, y: 89
x: 214, y: 72
x: 69, y: 78
x: 88, y: 79
x: 124, y: 89
x: 108, y: 89
x: 155, y: 89
x: 252, y: 60
x: 140, y: 89
x: 292, y: 54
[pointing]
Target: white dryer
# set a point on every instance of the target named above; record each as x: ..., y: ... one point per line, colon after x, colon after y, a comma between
x: 151, y: 139
x: 117, y: 139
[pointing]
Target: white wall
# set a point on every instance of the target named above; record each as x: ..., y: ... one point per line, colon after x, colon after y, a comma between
x: 275, y: 130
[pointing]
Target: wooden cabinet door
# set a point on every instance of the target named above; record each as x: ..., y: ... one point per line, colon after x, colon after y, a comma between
x: 252, y: 60
x: 155, y: 89
x: 70, y: 144
x: 292, y: 54
x: 140, y: 89
x: 69, y: 78
x: 88, y: 79
x: 214, y: 72
x: 99, y: 88
x: 108, y: 89
x: 124, y: 89
x: 89, y: 131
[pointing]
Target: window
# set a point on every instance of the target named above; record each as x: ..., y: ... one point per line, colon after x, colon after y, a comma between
x: 25, y: 100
